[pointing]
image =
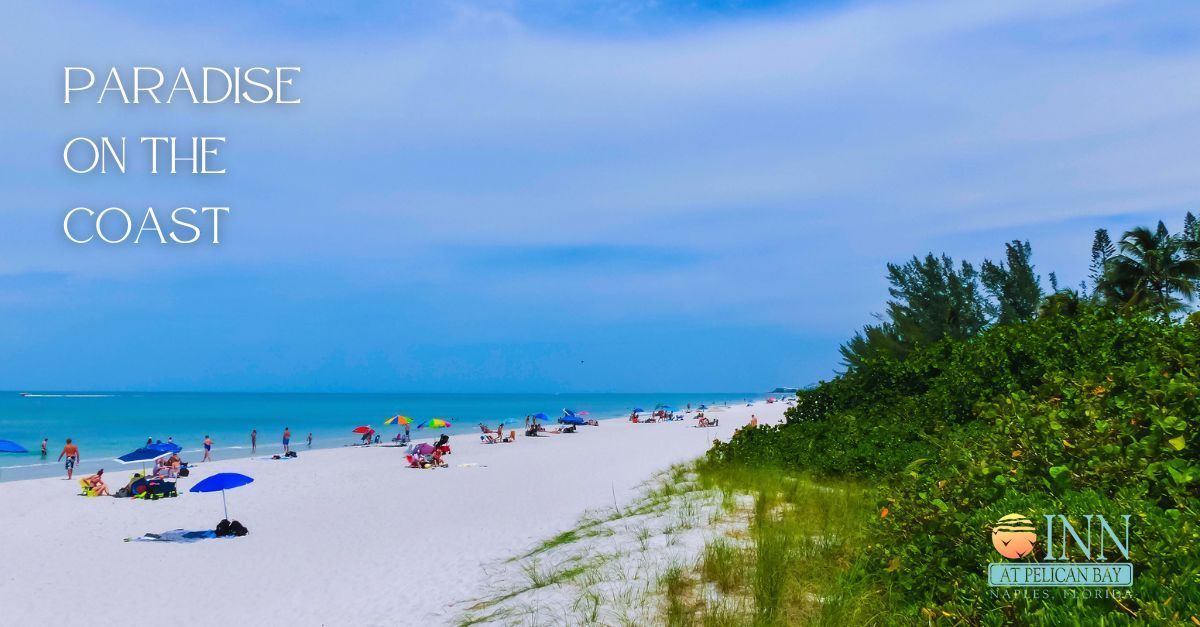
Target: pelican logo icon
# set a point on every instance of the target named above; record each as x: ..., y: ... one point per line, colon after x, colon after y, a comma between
x: 1013, y: 536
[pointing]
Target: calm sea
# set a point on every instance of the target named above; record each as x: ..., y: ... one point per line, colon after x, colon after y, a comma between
x: 107, y: 425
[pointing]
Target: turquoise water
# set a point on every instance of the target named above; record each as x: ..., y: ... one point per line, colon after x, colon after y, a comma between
x: 107, y: 425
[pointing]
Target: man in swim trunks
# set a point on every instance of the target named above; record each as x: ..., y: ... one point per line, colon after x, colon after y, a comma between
x: 207, y: 449
x: 287, y: 438
x: 45, y: 442
x: 71, y: 452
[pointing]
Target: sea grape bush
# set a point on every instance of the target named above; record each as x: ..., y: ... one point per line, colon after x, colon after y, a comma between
x: 1092, y: 411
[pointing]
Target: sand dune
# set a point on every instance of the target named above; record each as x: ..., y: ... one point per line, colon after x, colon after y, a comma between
x: 337, y: 537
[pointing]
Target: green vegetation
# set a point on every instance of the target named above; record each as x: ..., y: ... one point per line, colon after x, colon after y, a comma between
x: 959, y: 408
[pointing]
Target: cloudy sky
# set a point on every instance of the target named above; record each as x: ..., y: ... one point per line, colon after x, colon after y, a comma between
x: 571, y: 196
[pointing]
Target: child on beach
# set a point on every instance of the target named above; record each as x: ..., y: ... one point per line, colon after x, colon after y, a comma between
x: 207, y: 449
x: 71, y: 452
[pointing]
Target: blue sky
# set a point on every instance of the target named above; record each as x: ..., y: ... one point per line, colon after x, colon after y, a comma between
x: 564, y: 196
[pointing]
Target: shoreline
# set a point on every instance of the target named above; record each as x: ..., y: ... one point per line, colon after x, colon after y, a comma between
x: 348, y: 533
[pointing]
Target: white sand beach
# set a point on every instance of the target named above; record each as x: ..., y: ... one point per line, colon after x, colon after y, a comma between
x: 345, y: 536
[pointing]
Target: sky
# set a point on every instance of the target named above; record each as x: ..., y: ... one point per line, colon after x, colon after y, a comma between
x: 571, y: 196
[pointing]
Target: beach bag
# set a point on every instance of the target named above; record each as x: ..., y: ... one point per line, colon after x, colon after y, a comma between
x: 291, y: 454
x: 183, y: 472
x: 236, y: 528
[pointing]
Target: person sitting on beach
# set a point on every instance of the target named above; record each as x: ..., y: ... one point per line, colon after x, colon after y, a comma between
x: 443, y: 444
x: 512, y: 437
x: 437, y: 461
x: 487, y: 438
x: 95, y: 484
x: 592, y: 422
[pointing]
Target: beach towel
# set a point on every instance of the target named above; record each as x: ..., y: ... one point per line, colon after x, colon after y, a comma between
x: 175, y: 535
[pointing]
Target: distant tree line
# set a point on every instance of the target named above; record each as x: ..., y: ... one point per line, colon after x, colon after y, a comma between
x: 1149, y: 270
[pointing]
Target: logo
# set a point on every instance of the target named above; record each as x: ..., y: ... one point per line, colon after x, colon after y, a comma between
x: 1082, y: 553
x: 1013, y: 536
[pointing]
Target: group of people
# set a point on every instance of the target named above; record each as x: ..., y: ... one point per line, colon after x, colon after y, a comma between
x: 429, y: 456
x: 287, y: 440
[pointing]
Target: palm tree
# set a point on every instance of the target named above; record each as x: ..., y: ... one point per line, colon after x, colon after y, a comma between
x: 1153, y: 270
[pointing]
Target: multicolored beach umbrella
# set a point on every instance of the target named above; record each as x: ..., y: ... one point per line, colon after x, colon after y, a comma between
x: 434, y: 423
x: 398, y: 420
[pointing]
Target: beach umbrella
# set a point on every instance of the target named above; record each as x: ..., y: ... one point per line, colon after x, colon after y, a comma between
x: 569, y: 412
x: 572, y: 420
x: 169, y: 447
x: 424, y: 448
x: 541, y: 416
x: 8, y: 446
x: 398, y: 420
x: 222, y: 481
x: 702, y: 407
x: 435, y: 423
x: 143, y: 455
x: 584, y: 413
x: 363, y: 429
x: 638, y: 410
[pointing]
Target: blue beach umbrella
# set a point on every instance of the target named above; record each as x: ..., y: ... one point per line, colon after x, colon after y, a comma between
x: 541, y: 416
x: 142, y: 455
x: 638, y: 410
x: 572, y: 420
x: 8, y: 446
x: 221, y: 482
x: 169, y: 447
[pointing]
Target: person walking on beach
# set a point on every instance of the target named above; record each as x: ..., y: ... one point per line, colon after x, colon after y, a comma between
x: 207, y: 449
x: 308, y: 440
x: 71, y: 452
x: 753, y: 421
x: 287, y: 438
x: 45, y: 441
x: 253, y: 440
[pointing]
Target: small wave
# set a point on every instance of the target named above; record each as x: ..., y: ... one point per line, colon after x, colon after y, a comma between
x: 28, y: 395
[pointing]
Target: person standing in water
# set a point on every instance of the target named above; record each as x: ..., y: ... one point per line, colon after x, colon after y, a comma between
x: 45, y: 442
x: 287, y: 439
x: 207, y: 449
x: 309, y: 439
x: 253, y: 440
x: 71, y: 452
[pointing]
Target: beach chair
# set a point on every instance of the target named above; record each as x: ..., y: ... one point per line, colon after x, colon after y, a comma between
x: 487, y: 439
x: 87, y: 490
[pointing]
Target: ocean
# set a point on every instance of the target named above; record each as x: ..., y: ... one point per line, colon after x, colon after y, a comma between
x: 106, y: 425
